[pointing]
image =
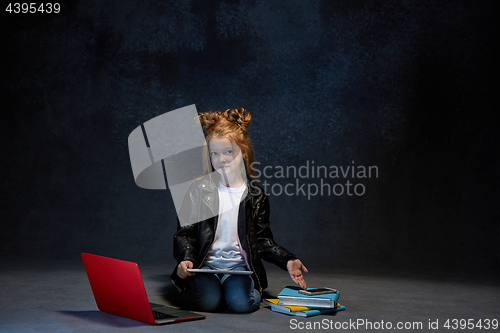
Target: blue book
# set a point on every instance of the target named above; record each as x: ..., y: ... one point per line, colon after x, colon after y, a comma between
x: 290, y: 296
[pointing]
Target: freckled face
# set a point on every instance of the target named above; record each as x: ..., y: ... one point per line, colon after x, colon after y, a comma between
x: 225, y: 155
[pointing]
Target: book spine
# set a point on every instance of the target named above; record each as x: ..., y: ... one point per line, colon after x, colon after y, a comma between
x: 291, y: 301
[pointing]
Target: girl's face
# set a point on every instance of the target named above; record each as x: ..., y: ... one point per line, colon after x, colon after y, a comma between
x: 225, y: 156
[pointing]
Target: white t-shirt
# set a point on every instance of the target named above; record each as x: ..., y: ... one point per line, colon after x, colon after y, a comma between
x: 225, y: 252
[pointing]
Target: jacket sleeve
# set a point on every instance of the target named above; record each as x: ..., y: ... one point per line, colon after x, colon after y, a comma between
x: 186, y: 237
x: 268, y: 249
x: 184, y: 242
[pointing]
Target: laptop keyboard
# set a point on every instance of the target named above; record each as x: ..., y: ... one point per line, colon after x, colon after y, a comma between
x: 161, y: 315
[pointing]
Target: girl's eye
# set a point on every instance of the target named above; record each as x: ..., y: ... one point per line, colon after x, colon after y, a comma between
x: 229, y: 152
x: 213, y: 153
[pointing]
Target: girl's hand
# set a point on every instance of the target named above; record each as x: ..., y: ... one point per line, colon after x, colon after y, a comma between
x: 182, y: 269
x: 295, y: 268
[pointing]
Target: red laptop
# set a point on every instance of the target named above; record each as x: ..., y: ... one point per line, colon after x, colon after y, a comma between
x: 118, y: 289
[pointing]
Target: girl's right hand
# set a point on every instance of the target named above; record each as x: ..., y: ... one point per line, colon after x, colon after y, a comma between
x: 182, y: 269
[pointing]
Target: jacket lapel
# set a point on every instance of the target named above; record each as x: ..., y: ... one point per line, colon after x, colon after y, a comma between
x: 209, y: 195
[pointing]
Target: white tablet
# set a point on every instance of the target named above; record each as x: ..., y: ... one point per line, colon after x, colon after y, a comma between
x: 215, y: 271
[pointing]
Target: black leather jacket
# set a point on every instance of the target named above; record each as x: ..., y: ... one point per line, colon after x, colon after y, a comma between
x: 193, y: 241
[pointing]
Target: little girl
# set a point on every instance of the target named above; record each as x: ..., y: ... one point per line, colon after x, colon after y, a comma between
x: 228, y: 224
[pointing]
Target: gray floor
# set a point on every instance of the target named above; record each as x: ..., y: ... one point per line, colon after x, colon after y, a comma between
x: 56, y: 297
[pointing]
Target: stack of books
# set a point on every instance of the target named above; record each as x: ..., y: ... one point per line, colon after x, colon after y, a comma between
x: 293, y: 303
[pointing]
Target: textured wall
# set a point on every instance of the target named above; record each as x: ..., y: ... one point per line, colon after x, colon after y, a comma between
x: 407, y: 86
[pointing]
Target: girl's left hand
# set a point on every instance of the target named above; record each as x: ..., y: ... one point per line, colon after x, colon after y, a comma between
x: 295, y: 268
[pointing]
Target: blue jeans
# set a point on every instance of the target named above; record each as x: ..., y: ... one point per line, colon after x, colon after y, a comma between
x: 205, y: 292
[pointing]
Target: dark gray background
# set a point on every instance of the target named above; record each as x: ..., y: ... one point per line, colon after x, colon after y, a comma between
x: 408, y: 86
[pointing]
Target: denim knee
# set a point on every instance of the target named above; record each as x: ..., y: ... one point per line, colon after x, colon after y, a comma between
x: 240, y: 294
x: 203, y: 293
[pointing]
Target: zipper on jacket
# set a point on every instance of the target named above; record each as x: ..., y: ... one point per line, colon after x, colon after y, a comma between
x: 215, y: 229
x: 250, y: 250
x: 256, y: 210
x: 251, y: 264
x: 213, y: 241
